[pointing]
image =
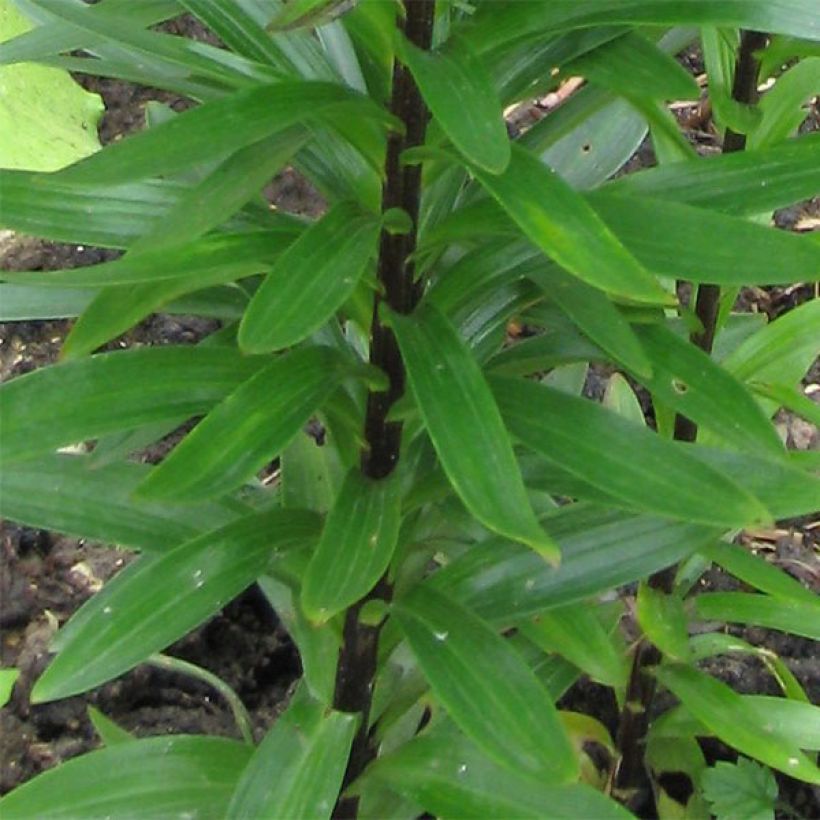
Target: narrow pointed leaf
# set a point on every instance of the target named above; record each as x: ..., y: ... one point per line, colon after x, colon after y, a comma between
x: 566, y: 228
x: 114, y: 391
x: 600, y: 549
x: 756, y: 571
x: 356, y: 545
x: 486, y: 686
x: 444, y: 773
x: 594, y: 314
x: 309, y: 13
x: 310, y: 281
x: 110, y: 733
x: 251, y: 426
x: 746, y: 182
x: 297, y: 770
x: 663, y: 620
x: 159, y: 598
x: 796, y: 616
x: 576, y: 633
x: 465, y: 426
x: 726, y: 713
x: 166, y: 776
x: 686, y: 379
x: 225, y: 190
x: 211, y: 130
x: 622, y: 459
x: 476, y: 125
x: 97, y: 503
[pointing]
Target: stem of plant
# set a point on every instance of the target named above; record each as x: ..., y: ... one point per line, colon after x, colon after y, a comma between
x: 356, y: 667
x: 631, y: 778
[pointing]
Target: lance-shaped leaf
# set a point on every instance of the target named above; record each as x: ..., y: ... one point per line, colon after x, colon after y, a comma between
x: 461, y: 94
x: 745, y: 182
x: 305, y: 13
x: 356, y: 545
x: 97, y: 503
x: 486, y: 686
x: 168, y: 776
x: 624, y: 460
x: 220, y: 257
x: 600, y: 548
x: 593, y: 313
x: 727, y: 714
x: 251, y: 426
x: 796, y: 616
x: 563, y: 225
x: 68, y: 403
x: 686, y: 379
x: 465, y: 426
x: 211, y: 130
x: 224, y: 190
x: 297, y: 770
x: 311, y: 280
x: 159, y: 598
x: 443, y: 772
x: 663, y: 620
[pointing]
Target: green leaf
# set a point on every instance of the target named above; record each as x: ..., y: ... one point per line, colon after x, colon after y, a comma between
x: 8, y: 678
x: 466, y: 428
x: 576, y: 633
x: 743, y: 789
x: 47, y: 120
x: 704, y: 246
x: 356, y: 546
x: 601, y: 549
x: 796, y: 616
x: 663, y: 620
x: 745, y: 182
x: 210, y: 131
x: 97, y: 503
x: 115, y: 391
x: 310, y: 281
x: 566, y: 228
x: 593, y: 313
x: 251, y: 426
x: 214, y: 259
x: 224, y: 190
x: 444, y: 773
x: 159, y: 598
x: 757, y: 572
x: 309, y: 13
x: 620, y: 397
x: 163, y: 776
x: 686, y: 379
x: 782, y: 351
x: 310, y: 474
x: 109, y: 732
x: 728, y: 715
x: 634, y: 66
x: 782, y: 106
x: 460, y: 93
x: 297, y: 769
x: 486, y: 686
x: 629, y: 463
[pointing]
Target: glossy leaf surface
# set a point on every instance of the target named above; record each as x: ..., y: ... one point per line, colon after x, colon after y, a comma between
x: 729, y: 717
x: 622, y: 459
x: 164, y: 776
x: 475, y: 125
x: 486, y: 686
x: 310, y: 281
x: 465, y: 426
x: 160, y: 598
x: 252, y: 425
x: 600, y: 549
x: 297, y: 769
x: 566, y: 228
x: 356, y: 545
x: 114, y: 391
